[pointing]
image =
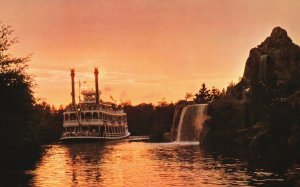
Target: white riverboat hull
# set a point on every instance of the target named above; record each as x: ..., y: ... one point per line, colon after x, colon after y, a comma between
x: 91, y: 138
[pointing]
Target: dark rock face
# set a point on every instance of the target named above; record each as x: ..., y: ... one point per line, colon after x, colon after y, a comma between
x: 167, y: 136
x: 262, y: 112
x: 283, y: 62
x: 226, y: 112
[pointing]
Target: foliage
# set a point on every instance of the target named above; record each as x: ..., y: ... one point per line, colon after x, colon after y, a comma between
x: 24, y: 124
x: 140, y: 118
x: 215, y: 93
x: 231, y: 85
x: 205, y: 95
x: 188, y: 96
x: 48, y: 122
x: 163, y: 117
x: 17, y: 101
x: 147, y: 119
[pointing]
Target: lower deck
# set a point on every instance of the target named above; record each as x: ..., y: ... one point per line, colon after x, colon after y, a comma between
x: 107, y: 132
x: 92, y: 138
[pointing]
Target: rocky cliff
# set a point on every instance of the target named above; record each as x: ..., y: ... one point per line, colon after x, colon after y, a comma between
x: 262, y: 112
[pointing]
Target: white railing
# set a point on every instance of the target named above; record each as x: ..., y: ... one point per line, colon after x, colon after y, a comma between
x: 115, y: 134
x: 113, y: 111
x: 94, y: 109
x: 94, y: 134
x: 87, y: 122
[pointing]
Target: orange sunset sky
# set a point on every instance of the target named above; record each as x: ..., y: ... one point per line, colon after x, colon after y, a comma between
x: 145, y: 49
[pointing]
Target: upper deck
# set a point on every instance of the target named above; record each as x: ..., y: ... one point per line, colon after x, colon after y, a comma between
x: 91, y: 110
x: 94, y: 108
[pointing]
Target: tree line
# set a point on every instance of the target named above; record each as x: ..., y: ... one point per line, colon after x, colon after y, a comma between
x: 148, y: 119
x: 155, y: 120
x: 206, y: 95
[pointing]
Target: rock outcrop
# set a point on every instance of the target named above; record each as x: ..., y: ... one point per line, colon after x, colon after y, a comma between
x: 282, y: 66
x: 262, y: 112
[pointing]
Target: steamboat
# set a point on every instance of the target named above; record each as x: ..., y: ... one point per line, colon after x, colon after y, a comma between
x: 91, y: 119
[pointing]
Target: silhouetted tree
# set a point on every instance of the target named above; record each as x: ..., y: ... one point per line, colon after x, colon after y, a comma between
x: 203, y: 96
x: 188, y: 96
x: 24, y: 123
x: 17, y: 134
x: 231, y: 85
x: 215, y: 93
x: 163, y: 102
x: 223, y: 92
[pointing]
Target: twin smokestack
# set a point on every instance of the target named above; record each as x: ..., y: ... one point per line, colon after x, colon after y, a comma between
x: 96, y: 72
x: 73, y: 86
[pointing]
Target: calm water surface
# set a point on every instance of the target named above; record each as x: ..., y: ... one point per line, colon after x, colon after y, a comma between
x: 142, y: 164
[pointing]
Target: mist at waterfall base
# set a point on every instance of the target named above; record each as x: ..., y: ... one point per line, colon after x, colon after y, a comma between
x: 191, y: 123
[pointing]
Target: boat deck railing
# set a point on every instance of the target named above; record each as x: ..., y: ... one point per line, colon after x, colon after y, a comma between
x: 95, y: 134
x: 97, y: 122
x: 115, y: 134
x: 104, y: 109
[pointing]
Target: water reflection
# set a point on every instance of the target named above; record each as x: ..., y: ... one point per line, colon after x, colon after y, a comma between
x: 85, y: 162
x: 144, y: 164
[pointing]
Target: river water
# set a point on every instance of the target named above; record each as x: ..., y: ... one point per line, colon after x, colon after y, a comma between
x: 140, y: 164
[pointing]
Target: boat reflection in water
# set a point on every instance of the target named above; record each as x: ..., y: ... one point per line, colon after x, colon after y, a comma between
x: 69, y: 164
x: 144, y: 164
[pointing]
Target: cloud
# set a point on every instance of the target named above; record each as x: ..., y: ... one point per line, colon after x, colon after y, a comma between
x: 132, y: 78
x: 49, y: 75
x: 152, y: 95
x: 108, y: 88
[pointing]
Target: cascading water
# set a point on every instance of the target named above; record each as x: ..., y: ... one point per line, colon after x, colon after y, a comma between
x: 191, y: 122
x: 262, y: 68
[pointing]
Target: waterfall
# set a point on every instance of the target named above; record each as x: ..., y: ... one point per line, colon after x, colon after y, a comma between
x: 262, y: 68
x: 191, y: 122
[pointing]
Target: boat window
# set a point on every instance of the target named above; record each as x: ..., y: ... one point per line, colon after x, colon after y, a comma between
x: 72, y: 116
x: 66, y: 117
x: 88, y: 115
x: 82, y: 115
x: 95, y: 115
x: 100, y: 115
